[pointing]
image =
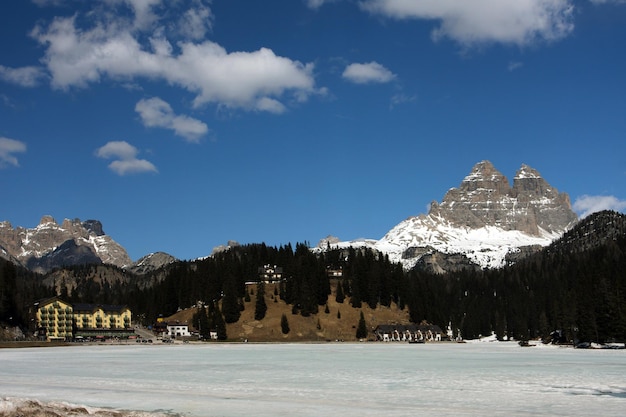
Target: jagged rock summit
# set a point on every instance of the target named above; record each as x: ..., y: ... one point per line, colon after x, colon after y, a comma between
x: 485, y: 219
x: 485, y: 198
x: 50, y: 245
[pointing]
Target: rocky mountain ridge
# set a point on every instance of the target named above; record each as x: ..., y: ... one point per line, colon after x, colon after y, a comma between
x: 50, y: 245
x: 483, y: 223
x: 485, y: 220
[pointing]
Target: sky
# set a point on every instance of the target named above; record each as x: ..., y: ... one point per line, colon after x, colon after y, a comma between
x: 183, y: 124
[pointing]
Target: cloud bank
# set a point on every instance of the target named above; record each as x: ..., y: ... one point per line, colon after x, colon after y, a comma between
x: 155, y: 112
x: 79, y: 52
x: 7, y: 148
x: 470, y: 22
x: 124, y: 157
x: 588, y: 204
x: 372, y: 72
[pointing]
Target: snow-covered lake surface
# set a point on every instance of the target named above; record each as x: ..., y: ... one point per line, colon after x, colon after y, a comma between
x: 351, y: 379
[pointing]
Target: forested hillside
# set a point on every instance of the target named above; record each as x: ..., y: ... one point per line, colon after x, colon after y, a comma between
x: 576, y: 285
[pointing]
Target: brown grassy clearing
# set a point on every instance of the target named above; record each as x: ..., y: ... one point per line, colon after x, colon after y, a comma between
x: 315, y: 328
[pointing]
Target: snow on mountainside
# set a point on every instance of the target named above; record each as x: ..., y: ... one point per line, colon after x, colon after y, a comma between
x: 484, y: 219
x: 51, y: 245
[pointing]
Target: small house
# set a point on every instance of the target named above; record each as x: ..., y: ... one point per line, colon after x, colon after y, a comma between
x: 176, y: 330
x: 270, y: 273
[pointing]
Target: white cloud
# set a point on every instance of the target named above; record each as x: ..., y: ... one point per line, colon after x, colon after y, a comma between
x: 125, y: 158
x: 77, y: 56
x: 316, y: 4
x: 270, y: 105
x: 470, y: 22
x: 608, y: 1
x: 196, y: 22
x: 587, y: 204
x: 142, y: 10
x: 24, y: 76
x: 371, y: 72
x: 155, y: 112
x: 7, y: 148
x: 513, y: 65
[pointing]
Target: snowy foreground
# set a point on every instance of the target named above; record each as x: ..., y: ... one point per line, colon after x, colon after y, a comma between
x: 351, y: 379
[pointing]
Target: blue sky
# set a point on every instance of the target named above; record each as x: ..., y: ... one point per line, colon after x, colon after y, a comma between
x: 184, y: 124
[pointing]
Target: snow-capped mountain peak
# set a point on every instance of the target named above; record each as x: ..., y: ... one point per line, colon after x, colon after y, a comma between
x: 485, y: 219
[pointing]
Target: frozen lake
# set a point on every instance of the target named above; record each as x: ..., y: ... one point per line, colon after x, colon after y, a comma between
x: 351, y: 379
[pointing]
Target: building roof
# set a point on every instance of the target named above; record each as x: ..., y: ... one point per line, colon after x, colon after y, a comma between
x: 177, y: 323
x: 109, y: 308
x: 45, y: 301
x: 401, y: 328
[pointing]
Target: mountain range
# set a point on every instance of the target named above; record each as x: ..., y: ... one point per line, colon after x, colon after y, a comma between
x: 51, y: 245
x: 485, y: 222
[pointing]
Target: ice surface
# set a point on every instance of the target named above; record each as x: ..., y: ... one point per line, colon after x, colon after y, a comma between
x: 352, y: 379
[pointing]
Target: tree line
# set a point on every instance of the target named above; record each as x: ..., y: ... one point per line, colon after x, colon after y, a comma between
x: 579, y: 291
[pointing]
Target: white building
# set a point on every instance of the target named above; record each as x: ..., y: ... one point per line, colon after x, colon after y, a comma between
x: 176, y: 329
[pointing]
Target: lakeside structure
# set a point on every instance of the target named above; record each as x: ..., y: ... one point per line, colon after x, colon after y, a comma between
x: 417, y: 333
x: 57, y: 319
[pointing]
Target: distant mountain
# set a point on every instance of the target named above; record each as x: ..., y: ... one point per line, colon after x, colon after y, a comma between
x: 151, y: 262
x: 50, y: 245
x: 484, y: 223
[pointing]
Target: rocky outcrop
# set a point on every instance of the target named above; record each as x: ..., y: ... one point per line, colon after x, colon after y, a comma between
x: 328, y: 241
x: 151, y: 262
x: 439, y: 263
x: 485, y: 198
x: 50, y: 245
x: 227, y: 246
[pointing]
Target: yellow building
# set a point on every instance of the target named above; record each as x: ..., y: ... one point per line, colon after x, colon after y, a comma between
x: 100, y: 320
x: 59, y: 320
x: 54, y: 319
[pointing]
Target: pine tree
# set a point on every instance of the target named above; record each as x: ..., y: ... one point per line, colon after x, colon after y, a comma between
x: 361, y: 330
x: 261, y: 307
x: 6, y: 290
x: 284, y: 324
x: 339, y: 295
x: 220, y: 325
x: 230, y: 303
x: 202, y: 323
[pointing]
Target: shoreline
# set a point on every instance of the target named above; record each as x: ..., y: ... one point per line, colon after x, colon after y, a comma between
x: 32, y: 407
x: 18, y: 344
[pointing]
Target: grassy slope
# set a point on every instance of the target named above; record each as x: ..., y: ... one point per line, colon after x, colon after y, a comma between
x: 303, y: 329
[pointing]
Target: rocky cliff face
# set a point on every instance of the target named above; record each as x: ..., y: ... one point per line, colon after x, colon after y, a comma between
x: 485, y: 198
x: 485, y: 220
x: 51, y: 245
